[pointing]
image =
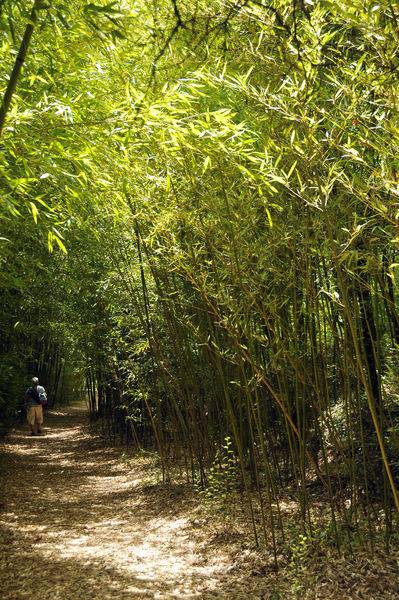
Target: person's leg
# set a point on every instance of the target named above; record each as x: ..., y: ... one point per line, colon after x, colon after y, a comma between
x: 30, y: 417
x: 39, y: 418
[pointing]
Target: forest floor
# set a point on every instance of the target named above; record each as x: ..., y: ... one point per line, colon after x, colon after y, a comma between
x: 80, y: 520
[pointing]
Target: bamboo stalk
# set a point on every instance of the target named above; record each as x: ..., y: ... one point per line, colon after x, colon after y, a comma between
x: 19, y: 61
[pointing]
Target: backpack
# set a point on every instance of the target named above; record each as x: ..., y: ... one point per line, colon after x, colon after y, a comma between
x: 42, y: 395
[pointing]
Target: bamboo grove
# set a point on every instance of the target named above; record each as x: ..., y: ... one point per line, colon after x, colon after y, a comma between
x: 199, y: 228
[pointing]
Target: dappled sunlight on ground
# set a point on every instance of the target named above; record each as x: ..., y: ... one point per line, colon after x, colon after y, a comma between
x: 81, y: 521
x: 78, y: 523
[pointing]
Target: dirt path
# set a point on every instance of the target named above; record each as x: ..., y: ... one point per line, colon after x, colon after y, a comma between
x: 77, y: 522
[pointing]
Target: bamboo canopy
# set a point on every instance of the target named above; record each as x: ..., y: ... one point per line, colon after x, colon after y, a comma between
x: 199, y: 234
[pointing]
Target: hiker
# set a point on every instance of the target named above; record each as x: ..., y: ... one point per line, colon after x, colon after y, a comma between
x: 35, y: 399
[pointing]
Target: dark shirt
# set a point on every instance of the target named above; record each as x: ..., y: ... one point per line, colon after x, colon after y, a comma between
x: 32, y: 397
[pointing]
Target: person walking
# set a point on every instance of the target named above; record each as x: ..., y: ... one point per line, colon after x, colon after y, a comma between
x: 35, y: 398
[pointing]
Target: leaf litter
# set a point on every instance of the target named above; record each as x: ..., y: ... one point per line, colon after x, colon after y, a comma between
x: 78, y: 521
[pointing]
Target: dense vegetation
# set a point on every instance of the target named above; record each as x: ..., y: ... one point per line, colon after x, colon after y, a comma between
x: 198, y: 227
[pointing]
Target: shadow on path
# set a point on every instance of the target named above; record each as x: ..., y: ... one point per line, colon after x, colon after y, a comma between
x: 78, y: 522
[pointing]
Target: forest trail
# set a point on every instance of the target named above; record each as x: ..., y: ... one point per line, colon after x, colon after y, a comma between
x: 78, y: 522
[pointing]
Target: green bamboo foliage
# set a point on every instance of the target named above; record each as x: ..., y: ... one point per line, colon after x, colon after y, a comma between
x: 230, y: 216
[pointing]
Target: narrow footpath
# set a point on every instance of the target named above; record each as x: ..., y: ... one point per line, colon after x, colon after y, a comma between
x: 79, y: 522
